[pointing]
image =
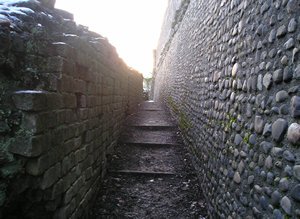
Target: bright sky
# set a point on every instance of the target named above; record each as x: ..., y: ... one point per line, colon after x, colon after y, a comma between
x: 132, y: 26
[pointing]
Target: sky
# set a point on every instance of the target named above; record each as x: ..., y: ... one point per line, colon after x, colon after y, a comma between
x: 132, y: 26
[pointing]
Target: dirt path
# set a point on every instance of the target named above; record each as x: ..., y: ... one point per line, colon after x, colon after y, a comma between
x: 150, y: 174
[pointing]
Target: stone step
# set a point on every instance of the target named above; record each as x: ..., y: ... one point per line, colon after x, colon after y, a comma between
x: 135, y: 135
x: 150, y: 118
x: 136, y: 172
x: 146, y: 159
x: 151, y: 106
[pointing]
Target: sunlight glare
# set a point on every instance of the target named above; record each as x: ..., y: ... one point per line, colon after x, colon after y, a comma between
x: 132, y: 26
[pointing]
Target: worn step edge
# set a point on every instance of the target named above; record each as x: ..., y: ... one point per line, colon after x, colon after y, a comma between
x: 151, y: 110
x: 137, y: 172
x: 149, y: 144
x: 151, y: 127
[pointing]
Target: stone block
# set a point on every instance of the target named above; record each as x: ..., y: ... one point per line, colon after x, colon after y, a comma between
x: 69, y: 100
x: 37, y: 166
x: 62, y: 49
x: 51, y: 176
x: 30, y: 100
x: 34, y: 123
x: 29, y: 146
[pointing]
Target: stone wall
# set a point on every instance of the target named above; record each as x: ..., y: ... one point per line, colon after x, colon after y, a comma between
x: 231, y: 74
x: 64, y: 95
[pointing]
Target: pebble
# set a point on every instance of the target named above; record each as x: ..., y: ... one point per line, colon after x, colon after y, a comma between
x: 267, y: 80
x: 292, y: 25
x: 266, y: 146
x: 277, y: 151
x: 287, y: 74
x: 267, y: 130
x: 278, y: 129
x: 288, y: 156
x: 296, y: 192
x: 293, y: 90
x: 278, y: 76
x: 292, y: 6
x: 270, y: 177
x: 296, y: 171
x: 289, y: 44
x: 235, y: 69
x: 272, y: 36
x: 284, y: 109
x: 252, y: 139
x: 281, y: 96
x: 277, y: 214
x: 237, y: 140
x: 237, y: 178
x: 295, y: 106
x: 263, y: 202
x: 275, y: 198
x: 284, y: 184
x: 294, y: 134
x: 281, y: 31
x: 256, y: 212
x: 258, y: 124
x: 268, y: 162
x: 250, y: 179
x: 288, y: 171
x: 286, y: 205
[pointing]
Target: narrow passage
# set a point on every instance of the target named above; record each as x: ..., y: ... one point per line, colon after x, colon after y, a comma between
x: 150, y: 174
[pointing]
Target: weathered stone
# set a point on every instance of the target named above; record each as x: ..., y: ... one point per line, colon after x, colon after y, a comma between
x: 278, y: 129
x: 259, y: 124
x: 295, y: 106
x: 281, y: 31
x: 278, y: 76
x: 294, y: 133
x: 266, y: 146
x: 267, y: 130
x: 284, y: 184
x: 288, y: 156
x: 297, y: 72
x: 289, y: 44
x: 48, y: 3
x: 268, y: 162
x: 296, y: 192
x: 296, y: 172
x: 281, y: 96
x: 237, y: 139
x: 29, y: 146
x: 275, y: 198
x: 29, y: 100
x: 51, y: 176
x: 235, y: 69
x: 286, y: 205
x: 267, y: 80
x: 237, y: 178
x: 287, y: 74
x: 284, y: 109
x: 277, y: 214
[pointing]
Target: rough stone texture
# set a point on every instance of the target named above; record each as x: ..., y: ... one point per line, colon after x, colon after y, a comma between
x: 278, y: 129
x: 230, y: 75
x: 294, y: 133
x: 64, y: 96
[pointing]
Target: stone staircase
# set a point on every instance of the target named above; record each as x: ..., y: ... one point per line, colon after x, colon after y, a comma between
x: 149, y: 174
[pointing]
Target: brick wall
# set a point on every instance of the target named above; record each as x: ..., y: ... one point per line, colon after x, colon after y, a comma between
x: 230, y: 73
x: 64, y: 96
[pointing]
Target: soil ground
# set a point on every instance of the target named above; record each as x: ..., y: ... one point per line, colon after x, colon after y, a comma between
x: 150, y: 174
